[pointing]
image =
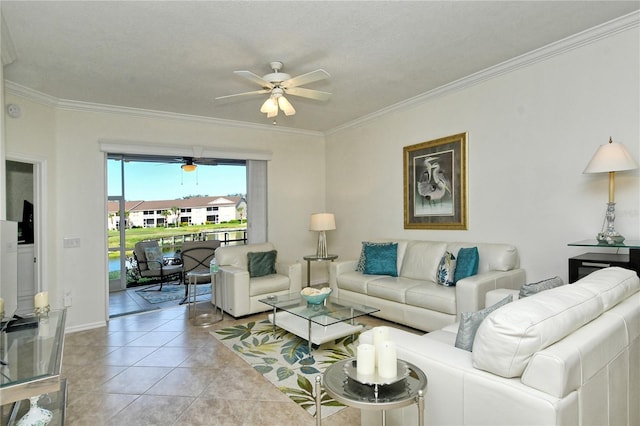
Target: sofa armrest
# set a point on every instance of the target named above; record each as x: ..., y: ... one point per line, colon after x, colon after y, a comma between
x: 471, y: 292
x: 235, y: 282
x: 339, y: 267
x: 459, y: 394
x: 294, y: 272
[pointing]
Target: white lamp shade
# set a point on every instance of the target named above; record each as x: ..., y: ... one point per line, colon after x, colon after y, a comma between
x: 611, y: 157
x: 322, y: 222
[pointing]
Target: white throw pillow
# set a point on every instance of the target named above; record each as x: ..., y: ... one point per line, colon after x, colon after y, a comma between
x: 154, y: 257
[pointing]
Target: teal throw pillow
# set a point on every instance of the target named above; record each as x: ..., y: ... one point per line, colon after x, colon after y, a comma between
x: 446, y: 270
x: 154, y: 257
x: 466, y: 263
x: 381, y: 259
x: 533, y: 288
x: 363, y: 257
x: 470, y: 322
x: 261, y: 263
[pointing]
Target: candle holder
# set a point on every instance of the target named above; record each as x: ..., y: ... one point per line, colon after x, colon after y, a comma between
x: 42, y: 311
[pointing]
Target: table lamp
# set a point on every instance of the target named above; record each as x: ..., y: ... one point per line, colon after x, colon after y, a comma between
x: 322, y: 222
x: 611, y: 158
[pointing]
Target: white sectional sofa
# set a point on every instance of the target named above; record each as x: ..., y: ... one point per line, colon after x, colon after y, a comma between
x: 565, y: 356
x: 413, y: 297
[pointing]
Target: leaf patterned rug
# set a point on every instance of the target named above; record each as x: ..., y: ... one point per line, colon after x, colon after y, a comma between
x: 284, y: 360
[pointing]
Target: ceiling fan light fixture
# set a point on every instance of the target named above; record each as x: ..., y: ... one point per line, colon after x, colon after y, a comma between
x: 286, y: 106
x: 269, y: 106
x: 188, y: 166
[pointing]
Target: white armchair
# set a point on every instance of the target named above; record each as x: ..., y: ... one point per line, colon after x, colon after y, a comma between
x: 241, y: 291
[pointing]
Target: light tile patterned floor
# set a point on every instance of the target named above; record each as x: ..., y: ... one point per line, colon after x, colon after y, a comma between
x: 156, y: 369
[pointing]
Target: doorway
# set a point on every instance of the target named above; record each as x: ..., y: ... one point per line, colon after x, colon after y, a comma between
x: 25, y: 200
x: 170, y: 200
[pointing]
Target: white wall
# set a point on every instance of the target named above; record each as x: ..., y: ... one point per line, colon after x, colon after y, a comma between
x: 77, y: 195
x: 531, y: 132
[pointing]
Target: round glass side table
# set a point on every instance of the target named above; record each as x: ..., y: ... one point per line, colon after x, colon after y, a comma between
x: 206, y: 318
x: 349, y: 392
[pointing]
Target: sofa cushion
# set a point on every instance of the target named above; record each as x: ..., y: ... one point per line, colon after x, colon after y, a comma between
x: 261, y: 263
x: 466, y: 263
x: 508, y: 337
x: 432, y: 296
x: 493, y: 257
x: 237, y: 255
x: 381, y: 259
x: 446, y: 269
x: 470, y: 322
x: 355, y: 281
x: 390, y: 288
x: 533, y: 288
x: 421, y: 260
x: 268, y: 284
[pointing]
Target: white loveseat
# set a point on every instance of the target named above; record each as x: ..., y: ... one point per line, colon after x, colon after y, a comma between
x: 413, y: 297
x: 241, y: 293
x: 565, y: 356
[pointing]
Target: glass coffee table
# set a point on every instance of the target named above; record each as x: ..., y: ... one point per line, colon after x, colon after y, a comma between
x: 316, y: 323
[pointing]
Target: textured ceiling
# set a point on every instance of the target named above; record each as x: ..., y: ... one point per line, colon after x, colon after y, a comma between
x: 178, y: 56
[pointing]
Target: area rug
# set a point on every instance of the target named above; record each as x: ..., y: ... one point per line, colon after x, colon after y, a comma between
x: 284, y: 360
x: 170, y: 292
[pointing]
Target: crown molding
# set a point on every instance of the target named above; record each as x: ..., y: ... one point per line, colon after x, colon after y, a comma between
x: 66, y: 104
x: 575, y: 41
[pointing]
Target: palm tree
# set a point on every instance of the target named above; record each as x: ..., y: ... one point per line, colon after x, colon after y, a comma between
x: 166, y: 214
x: 176, y: 212
x: 240, y: 212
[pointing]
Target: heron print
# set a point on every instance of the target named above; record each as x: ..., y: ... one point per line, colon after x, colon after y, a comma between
x: 434, y: 184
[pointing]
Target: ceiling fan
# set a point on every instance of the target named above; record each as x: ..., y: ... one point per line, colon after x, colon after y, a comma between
x: 278, y: 84
x: 190, y: 164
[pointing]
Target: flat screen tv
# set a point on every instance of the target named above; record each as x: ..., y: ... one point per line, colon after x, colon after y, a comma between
x: 26, y: 226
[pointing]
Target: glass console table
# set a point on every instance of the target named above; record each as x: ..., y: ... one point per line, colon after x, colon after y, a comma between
x: 584, y: 264
x: 33, y: 358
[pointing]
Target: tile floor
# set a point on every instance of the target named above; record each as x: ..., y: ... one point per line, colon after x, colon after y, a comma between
x: 155, y: 368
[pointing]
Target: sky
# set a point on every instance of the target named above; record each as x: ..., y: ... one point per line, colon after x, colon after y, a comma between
x: 156, y: 181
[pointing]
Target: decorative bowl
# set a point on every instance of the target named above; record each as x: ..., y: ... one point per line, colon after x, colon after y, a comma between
x: 314, y: 296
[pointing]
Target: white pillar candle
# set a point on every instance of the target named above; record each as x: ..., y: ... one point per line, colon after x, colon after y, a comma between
x: 366, y: 359
x: 41, y: 300
x: 387, y: 360
x: 380, y: 334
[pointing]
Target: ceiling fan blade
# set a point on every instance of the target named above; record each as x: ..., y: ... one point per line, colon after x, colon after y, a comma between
x: 255, y: 78
x: 309, y: 93
x: 307, y: 78
x: 255, y: 92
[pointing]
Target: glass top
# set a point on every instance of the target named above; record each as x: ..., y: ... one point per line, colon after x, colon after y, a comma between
x: 316, y: 257
x: 332, y: 311
x: 33, y: 352
x: 595, y: 243
x: 358, y: 395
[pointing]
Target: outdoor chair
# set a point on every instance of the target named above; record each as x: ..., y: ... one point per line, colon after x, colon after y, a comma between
x: 196, y: 256
x: 151, y: 263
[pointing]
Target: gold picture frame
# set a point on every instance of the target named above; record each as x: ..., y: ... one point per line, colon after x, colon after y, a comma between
x: 435, y: 184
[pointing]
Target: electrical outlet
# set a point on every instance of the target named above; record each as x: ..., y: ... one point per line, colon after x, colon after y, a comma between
x: 67, y: 298
x: 71, y: 242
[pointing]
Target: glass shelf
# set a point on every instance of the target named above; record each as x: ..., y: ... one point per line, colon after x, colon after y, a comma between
x: 630, y: 244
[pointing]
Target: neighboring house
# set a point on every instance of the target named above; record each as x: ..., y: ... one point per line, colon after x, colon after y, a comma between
x: 192, y: 211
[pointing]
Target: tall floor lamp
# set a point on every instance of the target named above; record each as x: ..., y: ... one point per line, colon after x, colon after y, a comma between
x: 322, y: 222
x: 612, y: 157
